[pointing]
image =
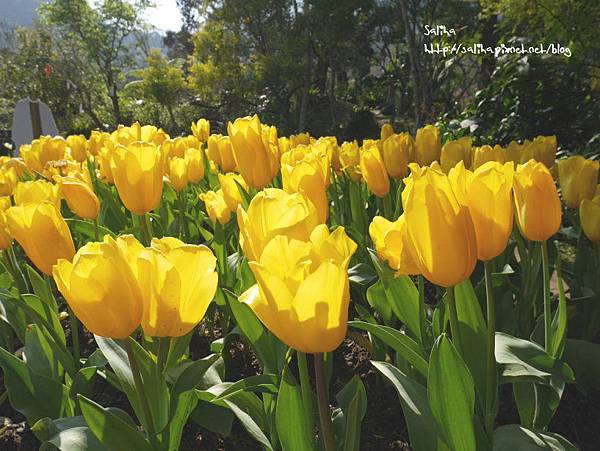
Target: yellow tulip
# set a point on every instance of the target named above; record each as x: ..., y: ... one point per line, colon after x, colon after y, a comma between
x: 147, y: 133
x: 220, y: 152
x: 5, y: 203
x: 274, y: 212
x: 578, y: 179
x: 138, y: 176
x: 373, y: 170
x: 101, y: 286
x: 536, y: 201
x: 178, y: 173
x: 37, y: 191
x: 96, y: 141
x: 349, y: 155
x: 397, y: 152
x: 8, y: 181
x: 42, y: 233
x: 80, y: 197
x: 178, y: 283
x: 460, y: 180
x: 386, y: 131
x: 195, y: 165
x: 544, y: 150
x: 216, y: 207
x: 513, y: 152
x: 299, y: 139
x: 427, y: 145
x: 302, y: 291
x: 454, y: 151
x: 6, y: 238
x: 201, y: 129
x: 393, y: 245
x: 487, y: 153
x: 16, y: 164
x: 440, y: 229
x: 78, y: 146
x: 589, y: 212
x: 307, y: 178
x: 230, y: 185
x: 103, y: 159
x: 489, y: 199
x: 255, y: 149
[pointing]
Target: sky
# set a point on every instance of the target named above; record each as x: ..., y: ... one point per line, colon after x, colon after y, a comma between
x: 165, y: 15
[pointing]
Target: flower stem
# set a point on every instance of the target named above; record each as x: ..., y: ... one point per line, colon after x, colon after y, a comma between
x: 307, y: 399
x: 146, y: 233
x: 74, y: 322
x: 181, y: 201
x: 139, y: 387
x: 453, y: 314
x: 422, y: 311
x: 19, y: 276
x: 547, y: 307
x: 96, y: 231
x: 324, y: 414
x: 163, y: 352
x: 491, y: 385
x: 387, y: 206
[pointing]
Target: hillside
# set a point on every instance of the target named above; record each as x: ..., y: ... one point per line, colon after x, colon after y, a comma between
x: 19, y: 12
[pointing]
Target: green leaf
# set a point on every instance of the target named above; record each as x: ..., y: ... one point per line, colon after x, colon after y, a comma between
x: 584, y: 358
x: 422, y: 429
x: 352, y: 400
x: 39, y: 355
x: 513, y: 437
x: 473, y: 334
x: 292, y: 426
x: 67, y: 434
x: 377, y: 298
x: 452, y: 395
x: 559, y: 323
x: 401, y: 343
x: 86, y: 228
x: 111, y: 429
x: 260, y: 383
x: 251, y: 426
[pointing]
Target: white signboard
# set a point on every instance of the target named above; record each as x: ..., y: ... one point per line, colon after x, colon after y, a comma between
x: 31, y: 119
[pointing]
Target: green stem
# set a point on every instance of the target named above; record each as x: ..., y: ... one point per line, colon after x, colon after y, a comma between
x: 422, y: 311
x: 163, y: 352
x: 547, y: 307
x: 324, y: 414
x: 19, y: 276
x: 453, y: 314
x: 139, y: 387
x: 305, y: 387
x: 96, y: 231
x: 491, y: 384
x: 146, y: 233
x: 387, y: 206
x: 74, y: 322
x: 181, y: 201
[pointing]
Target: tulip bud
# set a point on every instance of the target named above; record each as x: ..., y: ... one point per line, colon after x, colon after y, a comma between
x: 544, y: 150
x: 178, y: 173
x: 440, y: 229
x: 138, y: 175
x: 216, y: 207
x: 80, y: 197
x: 427, y: 145
x: 386, y: 131
x: 487, y: 153
x: 194, y: 161
x: 350, y: 159
x: 101, y: 286
x: 489, y: 199
x: 177, y: 283
x: 307, y: 178
x: 8, y: 181
x: 302, y: 291
x: 578, y: 179
x: 536, y: 201
x: 373, y: 170
x: 397, y: 153
x: 230, y: 185
x: 393, y: 245
x: 77, y: 144
x: 274, y: 212
x: 201, y: 129
x: 455, y: 151
x: 220, y: 152
x: 589, y: 212
x: 42, y: 233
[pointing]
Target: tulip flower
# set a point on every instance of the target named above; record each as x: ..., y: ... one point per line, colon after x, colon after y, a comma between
x: 440, y: 229
x: 201, y: 130
x: 589, y: 212
x: 42, y: 233
x: 78, y: 147
x: 544, y: 150
x: 460, y: 180
x: 43, y: 150
x: 96, y: 141
x: 255, y: 149
x: 349, y: 155
x: 397, y: 152
x: 178, y: 173
x: 195, y: 165
x: 427, y: 145
x: 307, y: 178
x: 299, y: 139
x: 220, y: 152
x: 454, y: 151
x: 536, y: 201
x: 489, y: 199
x: 578, y: 179
x: 216, y: 207
x: 138, y: 176
x: 80, y: 197
x: 101, y: 286
x: 8, y: 181
x: 386, y: 131
x: 178, y: 283
x: 487, y: 153
x: 302, y: 291
x: 274, y: 212
x: 393, y: 245
x: 230, y: 185
x: 373, y: 170
x: 37, y: 191
x: 6, y: 238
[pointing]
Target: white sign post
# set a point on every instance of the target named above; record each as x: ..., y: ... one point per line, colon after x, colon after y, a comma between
x: 31, y: 119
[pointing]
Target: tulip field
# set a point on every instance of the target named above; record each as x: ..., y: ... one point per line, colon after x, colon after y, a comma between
x: 155, y: 285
